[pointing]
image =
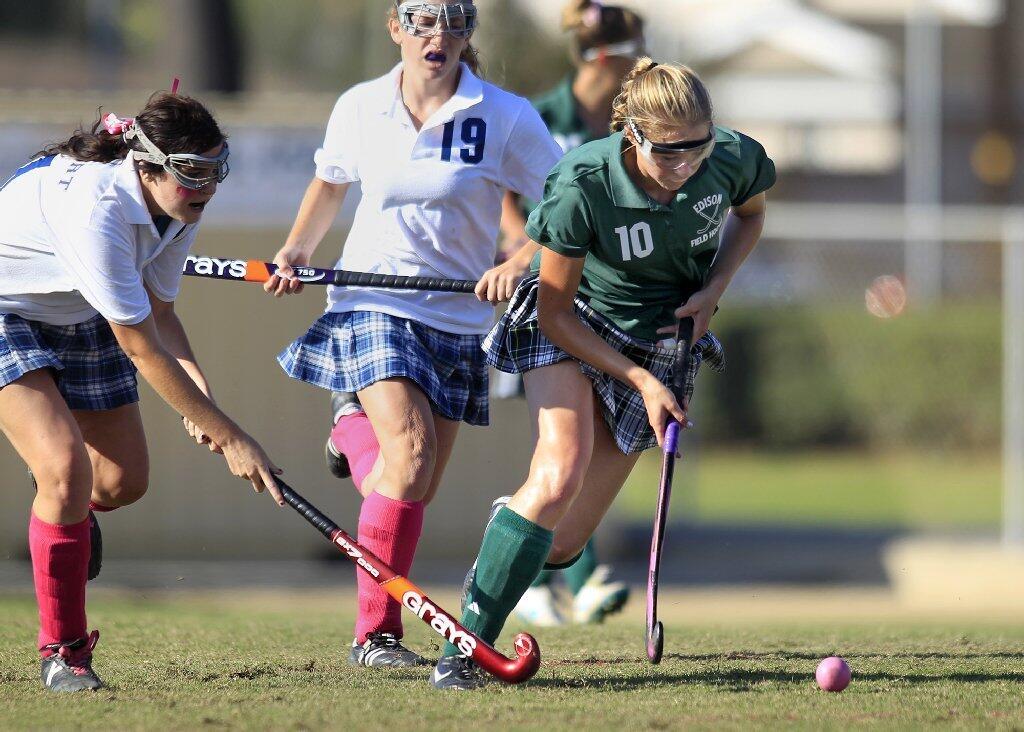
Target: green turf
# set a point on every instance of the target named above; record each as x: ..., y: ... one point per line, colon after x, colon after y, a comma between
x: 187, y: 664
x: 909, y: 489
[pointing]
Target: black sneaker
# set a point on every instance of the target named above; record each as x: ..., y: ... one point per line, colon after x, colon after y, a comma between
x: 95, y: 539
x: 96, y: 548
x: 458, y: 673
x: 69, y: 667
x: 343, y: 403
x: 468, y: 581
x: 384, y: 649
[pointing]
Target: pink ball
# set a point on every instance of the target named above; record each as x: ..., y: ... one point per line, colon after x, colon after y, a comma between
x: 833, y: 674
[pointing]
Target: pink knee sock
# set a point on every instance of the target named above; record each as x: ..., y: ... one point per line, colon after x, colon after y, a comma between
x: 391, y: 530
x: 353, y: 437
x: 60, y: 560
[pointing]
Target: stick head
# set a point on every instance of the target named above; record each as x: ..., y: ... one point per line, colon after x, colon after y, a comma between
x: 527, y: 659
x: 655, y: 643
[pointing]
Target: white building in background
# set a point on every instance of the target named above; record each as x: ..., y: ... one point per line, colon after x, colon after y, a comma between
x: 821, y: 92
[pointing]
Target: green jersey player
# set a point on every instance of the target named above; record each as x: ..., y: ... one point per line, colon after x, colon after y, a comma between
x: 606, y: 39
x: 637, y: 230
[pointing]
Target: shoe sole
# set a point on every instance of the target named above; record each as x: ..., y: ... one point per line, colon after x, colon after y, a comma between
x: 336, y: 462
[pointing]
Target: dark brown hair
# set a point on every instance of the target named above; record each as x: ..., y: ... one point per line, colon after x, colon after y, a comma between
x: 595, y: 24
x: 173, y: 122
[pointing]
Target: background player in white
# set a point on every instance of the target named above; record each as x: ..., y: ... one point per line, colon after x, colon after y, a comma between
x: 93, y: 235
x: 434, y: 148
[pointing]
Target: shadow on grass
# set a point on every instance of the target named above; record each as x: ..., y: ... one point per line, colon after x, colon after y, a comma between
x: 791, y: 656
x: 742, y: 680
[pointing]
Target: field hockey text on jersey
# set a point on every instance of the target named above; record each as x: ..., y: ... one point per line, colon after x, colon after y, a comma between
x: 438, y: 621
x: 356, y: 554
x: 214, y: 266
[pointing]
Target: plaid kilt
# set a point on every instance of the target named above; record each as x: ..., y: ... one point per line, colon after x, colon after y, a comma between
x: 91, y: 370
x: 350, y: 351
x: 516, y: 345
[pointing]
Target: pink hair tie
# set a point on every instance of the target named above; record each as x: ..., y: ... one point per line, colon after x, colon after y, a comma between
x: 116, y: 126
x: 592, y: 15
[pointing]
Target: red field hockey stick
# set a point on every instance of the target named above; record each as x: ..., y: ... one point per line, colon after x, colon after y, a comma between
x: 511, y: 671
x: 655, y: 631
x: 252, y: 270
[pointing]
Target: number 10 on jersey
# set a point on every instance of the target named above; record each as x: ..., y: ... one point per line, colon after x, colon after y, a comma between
x: 636, y: 240
x: 473, y: 132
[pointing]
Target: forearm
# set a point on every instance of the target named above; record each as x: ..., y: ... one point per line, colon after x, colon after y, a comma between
x: 319, y: 207
x: 564, y: 329
x: 525, y: 254
x: 513, y: 224
x: 175, y: 340
x: 739, y: 238
x: 142, y: 344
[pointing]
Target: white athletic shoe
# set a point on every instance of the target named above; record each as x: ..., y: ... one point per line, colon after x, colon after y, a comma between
x: 599, y: 598
x: 537, y: 607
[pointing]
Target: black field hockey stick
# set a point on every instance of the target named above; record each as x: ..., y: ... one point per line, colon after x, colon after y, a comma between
x: 509, y: 670
x: 252, y: 270
x: 680, y: 365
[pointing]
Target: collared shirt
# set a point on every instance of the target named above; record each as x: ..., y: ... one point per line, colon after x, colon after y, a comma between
x: 560, y: 112
x: 77, y: 239
x: 431, y: 197
x: 644, y: 258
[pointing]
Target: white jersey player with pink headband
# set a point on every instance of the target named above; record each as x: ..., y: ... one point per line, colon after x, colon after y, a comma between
x: 434, y: 148
x: 93, y: 235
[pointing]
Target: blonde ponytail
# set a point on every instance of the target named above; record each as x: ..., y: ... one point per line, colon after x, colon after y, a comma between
x: 661, y: 95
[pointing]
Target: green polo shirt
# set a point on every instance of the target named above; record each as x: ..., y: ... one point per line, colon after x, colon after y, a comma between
x: 644, y: 259
x: 560, y: 113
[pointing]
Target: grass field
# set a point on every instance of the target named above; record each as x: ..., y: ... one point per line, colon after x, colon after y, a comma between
x: 899, y: 489
x: 274, y: 661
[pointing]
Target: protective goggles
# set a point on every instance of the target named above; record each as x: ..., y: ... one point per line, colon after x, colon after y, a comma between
x: 625, y: 49
x: 191, y: 171
x: 430, y: 19
x: 674, y: 155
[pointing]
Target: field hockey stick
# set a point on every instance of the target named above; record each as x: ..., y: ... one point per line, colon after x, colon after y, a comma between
x: 680, y: 365
x: 511, y: 671
x: 252, y: 270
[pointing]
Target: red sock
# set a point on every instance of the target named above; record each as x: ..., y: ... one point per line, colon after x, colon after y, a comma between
x: 391, y: 530
x: 353, y: 437
x: 60, y: 560
x: 98, y: 508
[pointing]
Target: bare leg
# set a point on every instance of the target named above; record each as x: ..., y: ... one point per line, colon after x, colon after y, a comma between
x: 43, y: 431
x: 117, y: 450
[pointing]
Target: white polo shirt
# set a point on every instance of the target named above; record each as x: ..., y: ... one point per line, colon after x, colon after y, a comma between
x: 431, y: 200
x: 77, y: 239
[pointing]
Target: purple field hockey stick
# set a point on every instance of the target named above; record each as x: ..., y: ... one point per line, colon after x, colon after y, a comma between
x: 681, y: 364
x: 253, y: 270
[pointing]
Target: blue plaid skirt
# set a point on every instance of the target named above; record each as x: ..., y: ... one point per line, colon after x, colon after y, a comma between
x: 91, y: 370
x: 350, y: 351
x: 516, y: 345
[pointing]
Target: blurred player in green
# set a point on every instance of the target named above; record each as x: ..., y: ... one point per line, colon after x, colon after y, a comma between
x: 607, y: 40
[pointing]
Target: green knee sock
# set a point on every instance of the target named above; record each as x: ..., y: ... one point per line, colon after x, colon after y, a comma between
x: 577, y: 575
x: 512, y: 553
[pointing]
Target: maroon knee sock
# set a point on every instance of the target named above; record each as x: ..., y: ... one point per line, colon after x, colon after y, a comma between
x: 353, y: 436
x: 60, y: 560
x: 391, y: 530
